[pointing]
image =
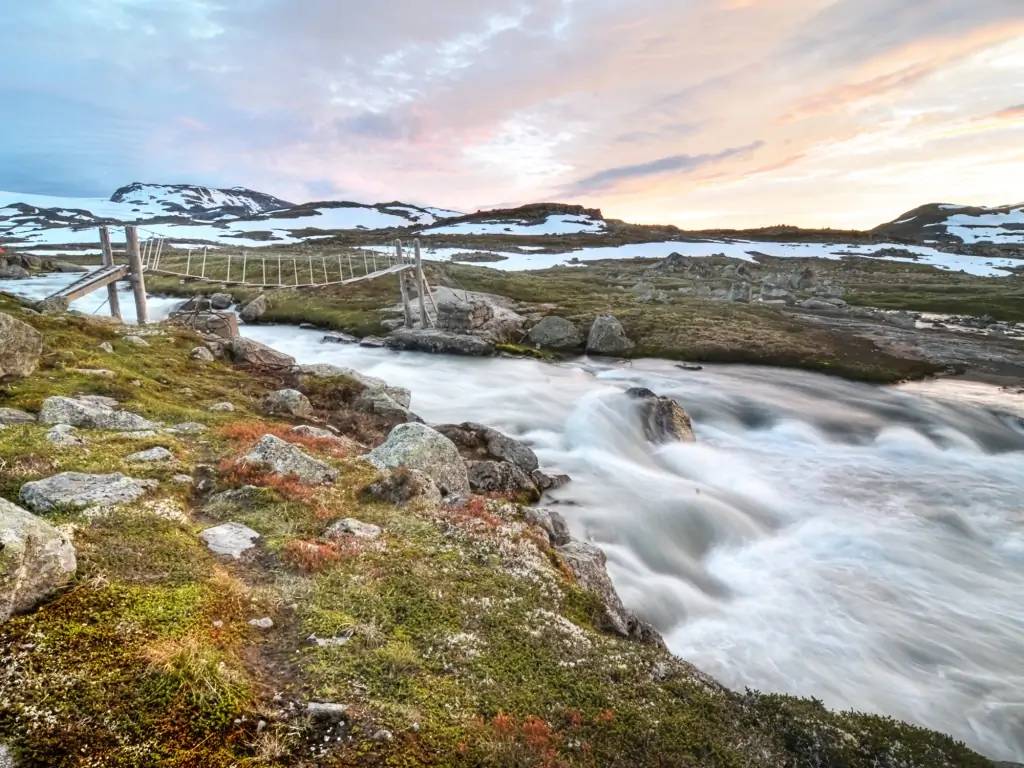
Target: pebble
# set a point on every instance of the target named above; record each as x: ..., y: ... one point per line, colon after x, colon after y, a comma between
x: 137, y: 341
x: 262, y: 623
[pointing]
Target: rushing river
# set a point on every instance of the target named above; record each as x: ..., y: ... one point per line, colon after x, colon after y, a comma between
x: 860, y: 544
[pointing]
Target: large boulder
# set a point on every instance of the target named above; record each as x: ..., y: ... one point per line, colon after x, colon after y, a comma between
x: 254, y: 310
x: 279, y: 456
x: 10, y: 271
x: 249, y: 352
x: 36, y: 559
x: 402, y: 486
x: 221, y: 300
x: 20, y: 347
x: 288, y: 402
x: 663, y: 419
x: 417, y: 446
x: 443, y: 342
x: 92, y: 412
x: 482, y: 442
x: 488, y: 476
x: 554, y: 332
x: 607, y: 337
x: 78, y: 490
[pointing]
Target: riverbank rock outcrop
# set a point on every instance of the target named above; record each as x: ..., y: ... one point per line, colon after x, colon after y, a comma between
x: 36, y: 560
x: 607, y: 337
x: 20, y: 347
x: 437, y: 341
x: 254, y: 309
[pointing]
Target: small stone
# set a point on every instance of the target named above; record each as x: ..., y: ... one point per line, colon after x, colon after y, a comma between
x: 15, y: 416
x: 182, y: 479
x: 262, y: 623
x: 151, y: 454
x: 202, y: 354
x: 64, y: 434
x: 103, y: 373
x: 224, y: 407
x: 326, y: 710
x: 217, y: 624
x: 289, y: 402
x: 349, y: 526
x: 383, y: 735
x: 188, y: 428
x: 282, y: 458
x: 136, y: 341
x: 232, y: 539
x: 106, y: 346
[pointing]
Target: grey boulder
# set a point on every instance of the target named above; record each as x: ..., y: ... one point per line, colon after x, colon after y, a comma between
x: 553, y: 332
x: 249, y: 352
x: 63, y: 435
x: 445, y: 342
x: 275, y: 455
x: 417, y: 446
x: 20, y: 347
x: 202, y: 354
x: 78, y: 490
x: 254, y: 310
x: 488, y: 476
x: 15, y: 416
x: 221, y: 300
x: 93, y: 413
x: 288, y: 402
x: 36, y: 559
x: 481, y: 441
x: 349, y: 526
x: 150, y: 455
x: 607, y: 337
x: 230, y: 539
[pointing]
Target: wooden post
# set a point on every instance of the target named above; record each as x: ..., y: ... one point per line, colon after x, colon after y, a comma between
x: 108, y: 261
x: 138, y: 278
x: 402, y: 286
x: 420, y: 283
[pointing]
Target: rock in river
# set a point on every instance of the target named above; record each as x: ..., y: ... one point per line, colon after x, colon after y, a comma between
x: 607, y: 337
x: 663, y: 418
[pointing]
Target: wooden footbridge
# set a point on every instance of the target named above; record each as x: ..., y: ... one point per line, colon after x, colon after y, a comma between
x: 247, y: 269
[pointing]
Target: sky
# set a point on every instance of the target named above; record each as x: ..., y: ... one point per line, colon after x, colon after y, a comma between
x: 699, y: 113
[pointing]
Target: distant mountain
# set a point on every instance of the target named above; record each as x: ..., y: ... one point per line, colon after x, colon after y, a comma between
x: 191, y: 213
x: 154, y: 200
x: 952, y: 224
x: 527, y: 220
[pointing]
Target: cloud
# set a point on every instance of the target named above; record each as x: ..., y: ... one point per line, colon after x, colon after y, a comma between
x: 677, y: 164
x: 481, y: 101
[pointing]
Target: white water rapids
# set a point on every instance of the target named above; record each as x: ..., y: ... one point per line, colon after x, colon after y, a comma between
x: 860, y: 544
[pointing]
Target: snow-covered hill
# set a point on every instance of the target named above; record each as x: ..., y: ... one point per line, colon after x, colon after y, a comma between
x: 186, y: 212
x: 970, y: 225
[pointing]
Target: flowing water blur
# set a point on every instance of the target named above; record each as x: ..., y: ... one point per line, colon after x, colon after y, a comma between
x: 860, y: 544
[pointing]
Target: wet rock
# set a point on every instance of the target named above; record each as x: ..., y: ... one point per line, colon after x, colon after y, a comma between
x: 230, y: 539
x: 92, y: 413
x: 663, y: 418
x: 417, y: 446
x: 349, y: 526
x: 20, y: 347
x: 587, y: 563
x: 607, y: 337
x: 15, y: 416
x: 275, y: 455
x: 482, y: 442
x: 553, y: 332
x: 499, y: 477
x: 64, y: 435
x: 36, y: 559
x: 150, y: 455
x: 401, y: 486
x: 339, y: 338
x: 202, y: 354
x: 552, y: 523
x: 288, y: 402
x: 254, y: 310
x: 221, y: 300
x: 546, y: 482
x: 79, y: 490
x: 249, y: 352
x: 436, y: 341
x: 372, y: 342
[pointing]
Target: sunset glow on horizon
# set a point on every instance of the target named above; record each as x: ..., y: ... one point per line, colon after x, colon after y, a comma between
x: 708, y: 113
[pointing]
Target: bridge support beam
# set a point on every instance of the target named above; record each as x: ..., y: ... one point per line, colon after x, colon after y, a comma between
x: 420, y: 283
x: 108, y: 261
x: 403, y: 287
x: 137, y: 275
